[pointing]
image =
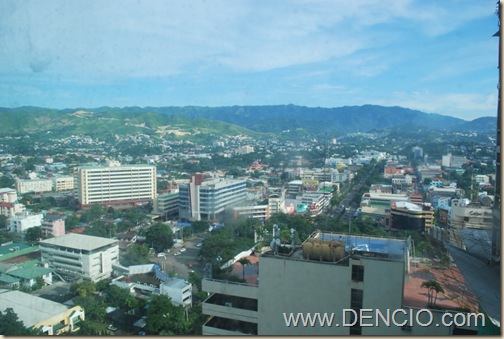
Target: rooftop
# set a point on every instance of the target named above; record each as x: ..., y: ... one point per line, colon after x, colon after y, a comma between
x: 456, y: 293
x: 30, y: 309
x: 79, y: 241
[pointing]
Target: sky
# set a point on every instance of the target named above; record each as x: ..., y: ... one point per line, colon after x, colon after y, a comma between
x: 430, y: 55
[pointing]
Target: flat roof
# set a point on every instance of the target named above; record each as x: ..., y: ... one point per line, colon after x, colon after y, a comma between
x: 115, y: 167
x: 6, y: 249
x: 79, y: 241
x: 392, y: 247
x: 30, y: 272
x: 29, y: 308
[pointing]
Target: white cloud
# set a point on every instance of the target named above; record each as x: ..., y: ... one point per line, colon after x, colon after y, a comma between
x: 467, y: 106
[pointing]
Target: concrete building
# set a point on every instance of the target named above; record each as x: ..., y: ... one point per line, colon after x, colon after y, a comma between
x: 80, y: 255
x: 9, y: 209
x: 8, y: 195
x: 19, y: 223
x: 207, y: 200
x: 260, y: 212
x: 34, y: 186
x: 347, y: 276
x: 24, y: 275
x: 453, y: 161
x: 377, y: 205
x: 179, y: 290
x: 149, y: 279
x: 332, y: 274
x: 294, y: 188
x: 167, y: 204
x: 45, y: 316
x: 276, y: 202
x: 116, y: 185
x: 53, y: 226
x: 408, y: 216
x: 63, y: 183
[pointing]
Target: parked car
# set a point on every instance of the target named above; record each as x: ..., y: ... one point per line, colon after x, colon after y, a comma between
x: 199, y: 244
x: 112, y: 328
x: 183, y: 249
x: 161, y: 255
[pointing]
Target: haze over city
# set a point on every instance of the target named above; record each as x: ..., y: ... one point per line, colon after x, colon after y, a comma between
x: 438, y: 57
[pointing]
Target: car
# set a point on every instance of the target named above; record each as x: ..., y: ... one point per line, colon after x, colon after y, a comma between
x: 141, y: 333
x: 199, y: 244
x: 183, y: 249
x: 177, y: 253
x: 191, y: 271
x: 161, y: 255
x: 112, y: 328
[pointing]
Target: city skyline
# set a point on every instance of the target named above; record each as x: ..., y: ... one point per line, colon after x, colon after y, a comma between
x: 437, y: 57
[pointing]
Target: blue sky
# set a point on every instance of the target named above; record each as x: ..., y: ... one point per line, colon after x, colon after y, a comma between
x: 434, y: 56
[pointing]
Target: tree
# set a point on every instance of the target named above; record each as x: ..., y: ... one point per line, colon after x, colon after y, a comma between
x: 432, y: 287
x: 71, y: 222
x: 33, y: 234
x: 164, y: 318
x: 160, y: 237
x: 135, y: 255
x: 10, y: 324
x: 93, y: 306
x: 200, y: 226
x: 83, y: 288
x: 121, y: 298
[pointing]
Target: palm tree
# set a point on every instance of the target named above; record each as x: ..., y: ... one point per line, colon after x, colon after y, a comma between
x: 432, y: 286
x: 243, y: 262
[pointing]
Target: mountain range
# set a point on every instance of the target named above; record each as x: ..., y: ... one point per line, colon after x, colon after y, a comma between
x: 230, y: 120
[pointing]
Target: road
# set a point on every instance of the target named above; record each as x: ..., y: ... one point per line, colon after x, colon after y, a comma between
x: 180, y: 263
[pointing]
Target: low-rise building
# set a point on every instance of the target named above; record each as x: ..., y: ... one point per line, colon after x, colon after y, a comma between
x: 81, y: 255
x: 45, y: 316
x: 63, y: 183
x: 167, y: 204
x: 53, y: 226
x: 34, y: 186
x: 260, y: 212
x: 20, y: 222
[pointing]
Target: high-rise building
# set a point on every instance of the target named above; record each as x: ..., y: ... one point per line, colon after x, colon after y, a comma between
x: 116, y: 185
x: 332, y: 275
x: 207, y: 200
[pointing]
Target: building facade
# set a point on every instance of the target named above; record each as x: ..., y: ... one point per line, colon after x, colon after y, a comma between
x: 207, y: 200
x: 409, y: 216
x: 116, y: 185
x: 52, y: 227
x: 167, y: 204
x: 327, y: 273
x: 34, y: 186
x: 19, y: 223
x: 63, y: 184
x: 80, y: 255
x: 45, y: 316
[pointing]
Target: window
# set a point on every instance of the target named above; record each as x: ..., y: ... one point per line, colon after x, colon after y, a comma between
x: 356, y: 304
x: 357, y: 273
x: 356, y: 299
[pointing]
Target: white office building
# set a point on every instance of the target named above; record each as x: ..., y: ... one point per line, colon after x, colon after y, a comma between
x: 63, y: 183
x: 207, y: 200
x: 81, y: 255
x: 116, y: 185
x: 34, y: 186
x: 20, y: 222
